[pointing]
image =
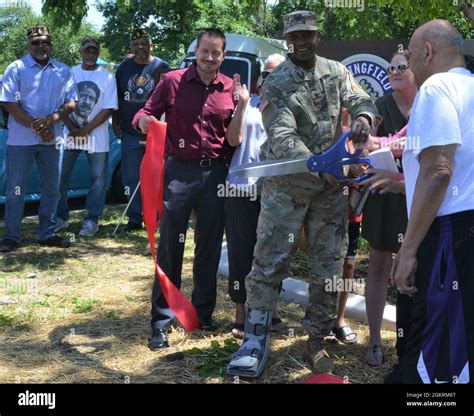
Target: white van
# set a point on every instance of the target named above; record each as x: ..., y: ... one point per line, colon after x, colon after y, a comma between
x: 245, y: 56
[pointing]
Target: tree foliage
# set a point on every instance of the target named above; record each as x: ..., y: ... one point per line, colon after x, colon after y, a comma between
x: 66, y: 12
x: 14, y: 21
x: 173, y: 23
x: 392, y: 19
x: 378, y: 19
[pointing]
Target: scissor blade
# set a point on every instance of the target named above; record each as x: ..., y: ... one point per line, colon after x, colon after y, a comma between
x: 271, y: 168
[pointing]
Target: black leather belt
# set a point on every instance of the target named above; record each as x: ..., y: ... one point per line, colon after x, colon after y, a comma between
x: 203, y: 163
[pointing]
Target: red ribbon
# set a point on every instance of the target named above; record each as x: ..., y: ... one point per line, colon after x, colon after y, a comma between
x: 152, y: 172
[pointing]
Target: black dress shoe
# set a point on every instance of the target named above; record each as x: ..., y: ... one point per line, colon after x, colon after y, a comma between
x: 158, y: 340
x: 54, y: 241
x: 208, y: 325
x: 8, y: 245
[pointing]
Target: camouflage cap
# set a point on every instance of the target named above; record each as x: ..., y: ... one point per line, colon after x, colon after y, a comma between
x: 140, y: 32
x: 90, y: 42
x: 299, y: 20
x: 37, y: 31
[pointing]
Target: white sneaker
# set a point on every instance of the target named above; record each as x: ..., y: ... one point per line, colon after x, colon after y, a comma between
x: 61, y: 225
x: 89, y: 229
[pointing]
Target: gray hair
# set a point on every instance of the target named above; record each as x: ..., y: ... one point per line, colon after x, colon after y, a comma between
x: 276, y: 57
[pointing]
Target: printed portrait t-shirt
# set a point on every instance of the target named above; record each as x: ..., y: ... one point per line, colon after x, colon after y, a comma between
x: 97, y: 91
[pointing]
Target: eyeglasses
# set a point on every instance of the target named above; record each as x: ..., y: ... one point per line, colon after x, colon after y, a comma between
x: 41, y: 42
x: 265, y: 74
x: 398, y: 68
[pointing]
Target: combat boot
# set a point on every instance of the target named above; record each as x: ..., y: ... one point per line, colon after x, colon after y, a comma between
x: 317, y: 358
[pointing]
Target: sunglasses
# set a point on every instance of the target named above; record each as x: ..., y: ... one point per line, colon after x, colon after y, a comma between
x: 398, y: 68
x: 41, y: 42
x: 265, y: 74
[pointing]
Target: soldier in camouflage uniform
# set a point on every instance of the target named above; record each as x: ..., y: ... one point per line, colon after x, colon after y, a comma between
x: 300, y: 111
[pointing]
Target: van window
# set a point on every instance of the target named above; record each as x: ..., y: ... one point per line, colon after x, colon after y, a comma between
x: 232, y: 65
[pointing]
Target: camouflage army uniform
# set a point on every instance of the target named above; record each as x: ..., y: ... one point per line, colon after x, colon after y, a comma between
x: 300, y: 112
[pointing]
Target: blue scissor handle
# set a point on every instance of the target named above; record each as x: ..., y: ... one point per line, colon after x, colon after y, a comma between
x: 357, y: 161
x: 338, y: 150
x: 335, y: 169
x: 332, y: 160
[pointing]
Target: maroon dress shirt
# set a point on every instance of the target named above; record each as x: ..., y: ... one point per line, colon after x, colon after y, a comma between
x: 197, y: 114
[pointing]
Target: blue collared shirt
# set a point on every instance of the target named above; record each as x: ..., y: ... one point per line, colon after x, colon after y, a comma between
x: 40, y: 91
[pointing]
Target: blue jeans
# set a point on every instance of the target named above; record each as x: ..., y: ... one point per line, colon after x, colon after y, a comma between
x: 132, y: 157
x: 19, y: 162
x: 95, y: 200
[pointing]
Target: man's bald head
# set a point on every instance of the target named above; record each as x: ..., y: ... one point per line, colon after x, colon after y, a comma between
x: 441, y: 34
x: 436, y: 46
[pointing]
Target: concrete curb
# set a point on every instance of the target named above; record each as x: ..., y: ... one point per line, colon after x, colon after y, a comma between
x: 296, y: 291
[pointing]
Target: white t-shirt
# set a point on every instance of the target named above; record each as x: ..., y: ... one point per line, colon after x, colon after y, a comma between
x: 253, y: 137
x: 443, y: 114
x: 97, y: 91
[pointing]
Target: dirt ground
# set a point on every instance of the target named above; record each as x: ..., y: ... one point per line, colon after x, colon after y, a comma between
x: 82, y: 316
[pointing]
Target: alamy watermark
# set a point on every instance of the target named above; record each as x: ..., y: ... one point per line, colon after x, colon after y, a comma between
x: 227, y: 190
x: 355, y: 4
x: 37, y: 399
x: 87, y: 143
x: 338, y: 284
x: 18, y: 286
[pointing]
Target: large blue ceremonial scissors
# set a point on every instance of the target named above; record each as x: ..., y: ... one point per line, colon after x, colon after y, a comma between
x: 332, y: 162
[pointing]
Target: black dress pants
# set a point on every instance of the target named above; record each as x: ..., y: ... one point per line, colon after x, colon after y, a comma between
x: 189, y: 187
x: 241, y: 218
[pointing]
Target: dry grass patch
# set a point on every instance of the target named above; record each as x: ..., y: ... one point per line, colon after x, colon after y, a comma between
x: 82, y: 316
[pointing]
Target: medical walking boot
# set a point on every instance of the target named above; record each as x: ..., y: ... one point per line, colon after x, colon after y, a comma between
x: 250, y: 359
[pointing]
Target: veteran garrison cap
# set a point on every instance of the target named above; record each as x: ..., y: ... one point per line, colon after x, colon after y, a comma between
x: 140, y: 32
x: 299, y: 20
x: 86, y: 42
x: 37, y: 31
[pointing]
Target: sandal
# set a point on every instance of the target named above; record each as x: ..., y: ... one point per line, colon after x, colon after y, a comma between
x: 376, y: 354
x: 238, y: 330
x: 343, y: 333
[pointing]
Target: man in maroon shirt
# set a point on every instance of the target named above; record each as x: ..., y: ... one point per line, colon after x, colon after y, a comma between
x: 204, y: 125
